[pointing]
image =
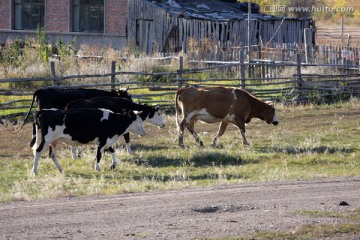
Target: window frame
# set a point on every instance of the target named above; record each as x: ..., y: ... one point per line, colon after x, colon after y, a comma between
x: 85, y: 11
x: 28, y: 22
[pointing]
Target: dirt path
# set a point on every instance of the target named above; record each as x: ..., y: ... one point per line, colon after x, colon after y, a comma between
x: 187, y: 214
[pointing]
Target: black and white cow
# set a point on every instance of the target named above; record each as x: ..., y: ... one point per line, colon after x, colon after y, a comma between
x: 149, y: 114
x: 58, y: 98
x: 99, y: 127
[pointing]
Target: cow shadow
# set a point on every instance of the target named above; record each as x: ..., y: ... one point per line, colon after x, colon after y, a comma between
x: 203, y: 159
x: 300, y: 150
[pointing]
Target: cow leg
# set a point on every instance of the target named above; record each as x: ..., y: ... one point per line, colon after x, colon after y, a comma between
x: 220, y: 132
x: 76, y: 152
x: 191, y: 128
x: 114, y: 161
x: 241, y: 126
x: 37, y: 154
x: 33, y: 137
x: 127, y: 142
x: 73, y: 152
x: 52, y: 155
x: 183, y: 124
x: 99, y: 153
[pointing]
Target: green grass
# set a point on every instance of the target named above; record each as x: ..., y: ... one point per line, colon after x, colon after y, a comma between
x: 352, y: 215
x: 310, y: 142
x: 322, y: 231
x: 317, y: 231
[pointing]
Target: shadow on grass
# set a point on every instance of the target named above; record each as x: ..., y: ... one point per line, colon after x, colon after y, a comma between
x: 187, y: 177
x: 197, y: 160
x: 300, y: 150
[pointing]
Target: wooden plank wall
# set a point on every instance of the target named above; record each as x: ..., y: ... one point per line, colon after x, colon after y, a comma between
x: 223, y: 33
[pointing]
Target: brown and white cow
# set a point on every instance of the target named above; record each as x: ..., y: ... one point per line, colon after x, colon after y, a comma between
x: 219, y: 104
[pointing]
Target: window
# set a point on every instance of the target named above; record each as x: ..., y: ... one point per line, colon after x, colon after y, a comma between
x: 88, y: 16
x: 28, y: 14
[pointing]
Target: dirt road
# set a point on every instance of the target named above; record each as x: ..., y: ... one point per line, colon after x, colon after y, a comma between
x: 233, y: 210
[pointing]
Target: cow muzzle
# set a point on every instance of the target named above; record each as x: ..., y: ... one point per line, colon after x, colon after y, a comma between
x: 275, y: 120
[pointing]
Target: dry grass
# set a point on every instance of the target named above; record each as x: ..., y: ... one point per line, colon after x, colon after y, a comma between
x: 311, y: 141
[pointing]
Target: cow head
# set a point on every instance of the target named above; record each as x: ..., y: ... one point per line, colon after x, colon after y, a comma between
x: 136, y: 126
x: 155, y: 117
x: 268, y: 114
x: 123, y: 93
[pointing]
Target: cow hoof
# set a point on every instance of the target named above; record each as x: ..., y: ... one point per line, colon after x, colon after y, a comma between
x: 201, y: 144
x: 112, y: 167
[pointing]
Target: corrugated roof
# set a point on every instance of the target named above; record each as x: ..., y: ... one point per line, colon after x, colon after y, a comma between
x: 209, y: 9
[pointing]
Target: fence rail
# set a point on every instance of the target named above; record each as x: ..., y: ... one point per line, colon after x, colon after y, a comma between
x: 265, y: 78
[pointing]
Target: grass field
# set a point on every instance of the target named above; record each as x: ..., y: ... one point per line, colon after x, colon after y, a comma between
x: 314, y: 141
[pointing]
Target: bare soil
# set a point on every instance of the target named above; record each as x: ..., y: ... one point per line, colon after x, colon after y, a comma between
x: 235, y: 210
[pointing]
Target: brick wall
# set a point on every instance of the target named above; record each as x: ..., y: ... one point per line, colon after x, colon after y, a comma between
x: 5, y: 17
x: 57, y: 15
x: 116, y: 16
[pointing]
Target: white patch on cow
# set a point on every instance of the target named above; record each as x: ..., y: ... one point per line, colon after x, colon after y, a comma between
x: 111, y: 140
x: 136, y: 127
x: 201, y: 115
x: 230, y: 118
x: 106, y: 114
x: 157, y: 119
x: 233, y: 91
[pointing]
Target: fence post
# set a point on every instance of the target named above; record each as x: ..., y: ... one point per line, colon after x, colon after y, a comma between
x: 180, y: 71
x: 242, y: 68
x: 298, y: 74
x: 52, y: 72
x: 112, y: 80
x: 342, y: 27
x: 271, y: 58
x: 308, y: 45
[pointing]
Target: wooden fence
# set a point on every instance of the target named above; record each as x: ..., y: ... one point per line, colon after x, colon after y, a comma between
x: 319, y: 54
x: 338, y: 33
x: 279, y: 81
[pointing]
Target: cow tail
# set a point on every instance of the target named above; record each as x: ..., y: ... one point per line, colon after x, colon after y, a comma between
x: 177, y: 108
x: 29, y: 111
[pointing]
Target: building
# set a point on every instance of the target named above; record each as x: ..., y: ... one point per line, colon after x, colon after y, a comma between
x: 90, y: 21
x: 150, y: 25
